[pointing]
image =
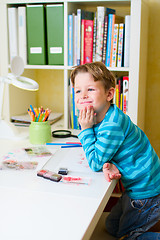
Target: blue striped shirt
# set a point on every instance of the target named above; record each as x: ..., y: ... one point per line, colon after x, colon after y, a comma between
x: 119, y: 141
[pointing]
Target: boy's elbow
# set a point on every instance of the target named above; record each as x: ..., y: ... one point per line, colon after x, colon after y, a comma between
x: 95, y: 168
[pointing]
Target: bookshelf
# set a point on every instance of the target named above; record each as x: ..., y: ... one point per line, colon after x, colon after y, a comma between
x: 138, y: 10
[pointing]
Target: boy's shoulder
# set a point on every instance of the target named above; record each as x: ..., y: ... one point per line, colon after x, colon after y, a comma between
x: 115, y: 119
x: 115, y: 115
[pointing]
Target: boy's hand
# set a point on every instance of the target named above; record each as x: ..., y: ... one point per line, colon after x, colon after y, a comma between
x: 111, y: 172
x: 86, y: 117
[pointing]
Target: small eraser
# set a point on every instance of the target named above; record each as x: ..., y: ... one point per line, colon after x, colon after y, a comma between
x: 63, y: 171
x: 40, y: 173
x: 55, y: 177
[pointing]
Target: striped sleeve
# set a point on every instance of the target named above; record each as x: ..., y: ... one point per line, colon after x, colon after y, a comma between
x: 102, y: 147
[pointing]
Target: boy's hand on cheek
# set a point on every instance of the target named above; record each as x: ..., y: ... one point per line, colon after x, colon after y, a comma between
x: 86, y: 117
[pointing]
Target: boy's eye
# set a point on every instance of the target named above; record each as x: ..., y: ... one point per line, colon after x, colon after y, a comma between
x: 77, y: 91
x: 90, y: 89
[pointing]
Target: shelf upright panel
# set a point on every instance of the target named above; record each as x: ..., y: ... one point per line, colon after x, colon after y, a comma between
x: 138, y: 40
x: 4, y: 58
x: 65, y: 65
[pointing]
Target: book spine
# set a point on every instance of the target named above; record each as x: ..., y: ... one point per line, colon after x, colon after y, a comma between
x: 100, y: 30
x: 120, y: 89
x: 127, y: 41
x: 105, y: 39
x: 78, y: 36
x: 117, y: 95
x: 74, y: 110
x: 120, y: 45
x: 13, y: 32
x: 115, y: 45
x: 82, y: 40
x: 88, y: 41
x: 71, y: 104
x: 109, y: 37
x: 22, y: 39
x: 94, y: 36
x: 70, y: 40
x: 75, y: 40
x: 125, y: 93
x: 113, y: 22
x: 73, y: 36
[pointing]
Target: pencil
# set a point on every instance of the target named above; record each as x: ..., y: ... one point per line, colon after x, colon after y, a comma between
x: 63, y: 144
x: 32, y: 110
x: 70, y: 146
x: 38, y: 118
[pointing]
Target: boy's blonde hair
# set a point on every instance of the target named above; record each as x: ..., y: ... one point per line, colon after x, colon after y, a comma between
x: 99, y: 72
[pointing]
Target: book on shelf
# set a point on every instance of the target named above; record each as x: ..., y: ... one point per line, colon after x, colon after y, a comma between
x: 70, y: 104
x: 111, y: 21
x: 70, y: 40
x: 55, y: 34
x: 78, y: 36
x: 112, y: 39
x: 86, y: 36
x: 36, y: 43
x: 125, y: 93
x: 108, y: 11
x: 115, y: 46
x: 74, y: 36
x: 120, y: 90
x: 121, y: 93
x: 120, y: 45
x: 22, y: 37
x: 13, y: 32
x: 75, y: 39
x: 73, y: 111
x: 94, y: 36
x: 127, y: 40
x: 100, y: 31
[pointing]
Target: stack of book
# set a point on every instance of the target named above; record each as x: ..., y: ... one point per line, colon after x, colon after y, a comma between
x: 73, y: 111
x: 98, y: 36
x: 121, y: 93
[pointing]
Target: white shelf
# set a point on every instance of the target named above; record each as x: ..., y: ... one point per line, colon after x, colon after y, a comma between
x: 138, y: 48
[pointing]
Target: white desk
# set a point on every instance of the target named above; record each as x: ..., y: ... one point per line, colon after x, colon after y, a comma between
x: 33, y: 208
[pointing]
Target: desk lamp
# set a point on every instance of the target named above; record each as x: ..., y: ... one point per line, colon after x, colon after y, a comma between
x: 8, y: 130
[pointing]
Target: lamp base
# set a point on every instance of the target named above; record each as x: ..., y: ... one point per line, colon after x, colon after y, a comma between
x: 9, y: 131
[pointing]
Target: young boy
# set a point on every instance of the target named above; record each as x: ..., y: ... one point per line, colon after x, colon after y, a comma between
x: 113, y: 143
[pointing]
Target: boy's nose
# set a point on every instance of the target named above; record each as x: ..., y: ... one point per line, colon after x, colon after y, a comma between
x: 84, y: 95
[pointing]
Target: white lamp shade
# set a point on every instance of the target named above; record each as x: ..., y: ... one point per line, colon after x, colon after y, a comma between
x: 23, y: 82
x: 7, y: 130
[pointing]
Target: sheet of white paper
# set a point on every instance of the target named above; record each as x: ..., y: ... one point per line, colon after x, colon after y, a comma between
x: 72, y: 158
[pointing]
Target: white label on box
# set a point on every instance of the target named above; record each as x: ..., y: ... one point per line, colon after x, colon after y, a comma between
x: 36, y: 50
x: 55, y: 50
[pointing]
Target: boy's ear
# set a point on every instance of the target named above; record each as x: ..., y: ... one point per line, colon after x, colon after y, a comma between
x: 110, y: 94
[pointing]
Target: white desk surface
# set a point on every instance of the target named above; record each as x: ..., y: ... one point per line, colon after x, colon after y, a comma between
x: 33, y: 208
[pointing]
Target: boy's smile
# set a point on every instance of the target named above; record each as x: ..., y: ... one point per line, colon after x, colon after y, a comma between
x: 90, y: 93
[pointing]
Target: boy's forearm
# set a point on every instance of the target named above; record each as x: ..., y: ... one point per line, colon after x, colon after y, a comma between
x: 88, y: 140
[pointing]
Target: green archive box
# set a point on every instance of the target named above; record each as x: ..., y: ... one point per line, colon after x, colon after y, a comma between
x: 55, y: 34
x: 36, y: 46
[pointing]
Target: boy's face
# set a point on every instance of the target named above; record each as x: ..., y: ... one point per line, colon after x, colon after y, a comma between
x: 90, y: 93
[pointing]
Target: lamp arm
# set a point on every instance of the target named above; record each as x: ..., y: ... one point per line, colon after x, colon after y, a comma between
x: 1, y: 95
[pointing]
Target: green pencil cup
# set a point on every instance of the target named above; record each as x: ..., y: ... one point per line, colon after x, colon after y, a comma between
x: 39, y: 132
